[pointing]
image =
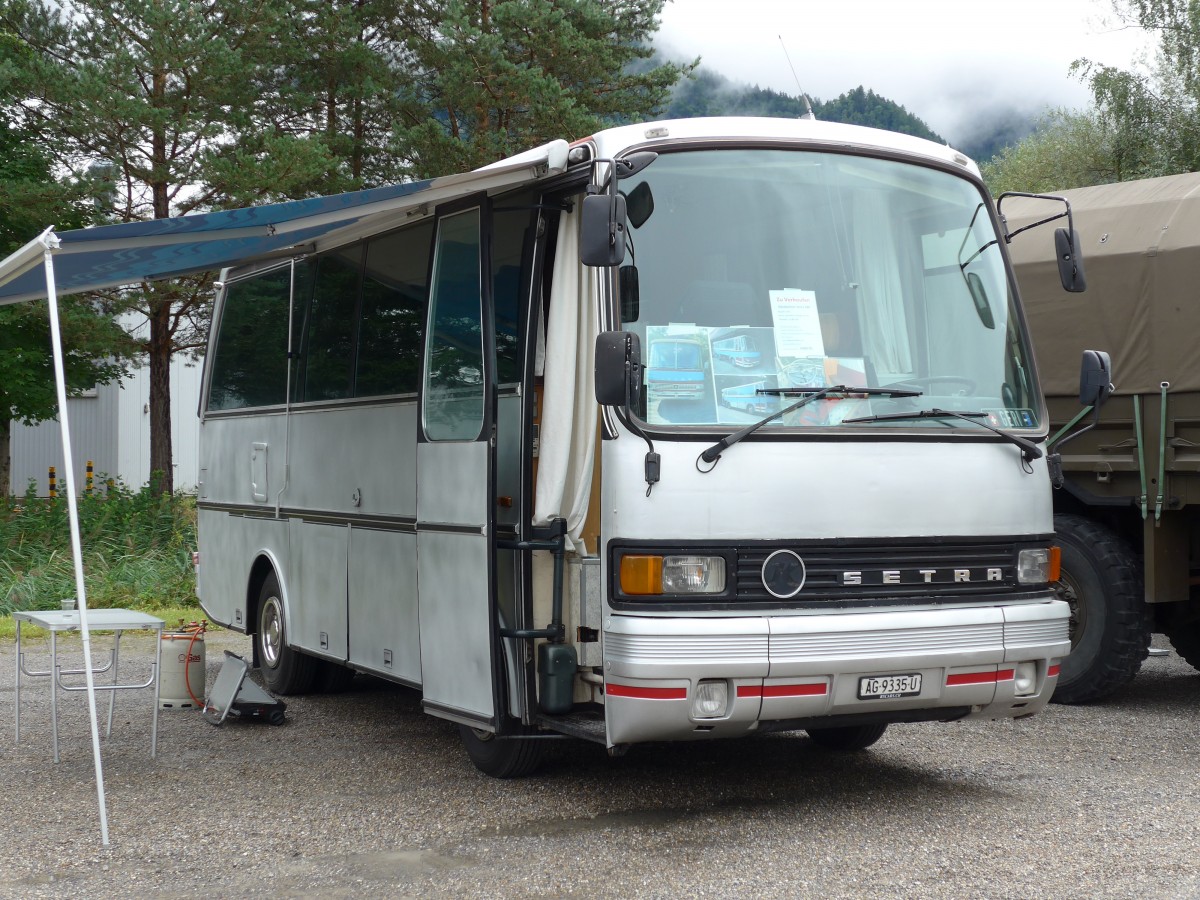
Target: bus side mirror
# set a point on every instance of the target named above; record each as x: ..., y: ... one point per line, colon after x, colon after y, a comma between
x: 1070, y: 260
x: 1095, y: 378
x: 602, y: 238
x: 618, y: 369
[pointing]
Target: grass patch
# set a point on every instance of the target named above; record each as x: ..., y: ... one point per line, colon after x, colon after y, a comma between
x: 137, y: 553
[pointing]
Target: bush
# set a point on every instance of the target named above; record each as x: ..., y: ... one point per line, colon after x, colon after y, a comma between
x: 137, y: 550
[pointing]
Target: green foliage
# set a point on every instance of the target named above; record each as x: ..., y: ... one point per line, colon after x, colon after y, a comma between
x: 709, y: 94
x: 1066, y: 150
x: 863, y: 107
x: 136, y: 546
x: 499, y: 76
x: 94, y: 346
x: 1145, y: 122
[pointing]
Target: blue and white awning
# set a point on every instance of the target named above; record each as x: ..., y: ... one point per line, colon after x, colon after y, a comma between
x: 108, y: 256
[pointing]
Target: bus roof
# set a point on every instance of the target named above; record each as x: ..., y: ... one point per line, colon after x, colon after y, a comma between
x: 109, y: 256
x: 613, y: 141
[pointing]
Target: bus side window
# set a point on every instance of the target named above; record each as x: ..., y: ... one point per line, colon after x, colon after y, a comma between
x: 392, y: 331
x: 329, y: 346
x: 249, y: 366
x: 454, y: 375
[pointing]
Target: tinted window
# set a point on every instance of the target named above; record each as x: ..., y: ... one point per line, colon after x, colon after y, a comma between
x: 329, y: 349
x: 249, y: 366
x: 392, y: 332
x: 512, y: 231
x: 454, y: 374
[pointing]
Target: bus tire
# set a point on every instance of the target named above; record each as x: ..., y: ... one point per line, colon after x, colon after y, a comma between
x: 333, y: 678
x: 851, y: 737
x: 1110, y: 622
x: 284, y: 670
x: 502, y: 757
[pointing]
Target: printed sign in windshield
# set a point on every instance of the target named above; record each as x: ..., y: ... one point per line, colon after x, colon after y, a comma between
x: 697, y: 375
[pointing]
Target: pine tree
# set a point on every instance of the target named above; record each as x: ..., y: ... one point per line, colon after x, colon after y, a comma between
x: 500, y: 76
x: 94, y: 346
x: 167, y: 94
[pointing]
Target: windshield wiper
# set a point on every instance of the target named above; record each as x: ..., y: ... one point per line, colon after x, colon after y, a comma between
x: 713, y: 453
x: 1029, y: 450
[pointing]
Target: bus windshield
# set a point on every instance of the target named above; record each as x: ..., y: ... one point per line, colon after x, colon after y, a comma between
x: 762, y: 269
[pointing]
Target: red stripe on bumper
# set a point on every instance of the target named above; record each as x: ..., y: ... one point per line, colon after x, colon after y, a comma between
x: 979, y: 677
x: 1053, y: 671
x: 782, y: 690
x: 645, y: 693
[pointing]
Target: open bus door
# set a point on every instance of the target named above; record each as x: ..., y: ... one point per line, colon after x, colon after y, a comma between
x: 455, y: 469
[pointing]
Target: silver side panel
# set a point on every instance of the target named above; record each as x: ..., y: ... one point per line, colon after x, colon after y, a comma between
x: 349, y: 593
x: 453, y: 484
x: 241, y: 456
x: 370, y: 450
x: 317, y: 599
x: 384, y: 626
x: 230, y: 545
x: 452, y: 577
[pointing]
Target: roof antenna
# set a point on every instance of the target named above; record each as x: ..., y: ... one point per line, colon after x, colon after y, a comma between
x: 803, y: 96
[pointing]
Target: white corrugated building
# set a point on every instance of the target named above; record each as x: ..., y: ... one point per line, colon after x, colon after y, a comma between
x: 111, y: 427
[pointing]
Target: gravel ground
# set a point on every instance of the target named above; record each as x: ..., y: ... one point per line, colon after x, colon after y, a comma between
x: 362, y: 794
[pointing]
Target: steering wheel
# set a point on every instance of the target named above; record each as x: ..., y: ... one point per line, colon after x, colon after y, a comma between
x: 968, y: 385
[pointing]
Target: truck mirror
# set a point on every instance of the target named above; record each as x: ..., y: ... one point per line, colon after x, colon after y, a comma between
x: 602, y: 238
x: 618, y: 368
x: 1095, y: 378
x: 640, y: 203
x: 1070, y: 260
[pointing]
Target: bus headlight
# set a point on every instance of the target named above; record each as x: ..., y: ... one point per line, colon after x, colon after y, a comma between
x: 693, y: 574
x: 648, y: 575
x: 1039, y: 566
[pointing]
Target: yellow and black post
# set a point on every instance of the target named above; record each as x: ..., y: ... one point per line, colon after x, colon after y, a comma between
x: 53, y: 484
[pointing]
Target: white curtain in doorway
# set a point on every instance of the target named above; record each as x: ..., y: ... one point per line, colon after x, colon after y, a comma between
x: 569, y: 409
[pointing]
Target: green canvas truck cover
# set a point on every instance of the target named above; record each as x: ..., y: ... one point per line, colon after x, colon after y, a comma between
x: 1140, y: 242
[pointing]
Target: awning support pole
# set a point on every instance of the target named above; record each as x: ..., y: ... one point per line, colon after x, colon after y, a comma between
x: 51, y: 243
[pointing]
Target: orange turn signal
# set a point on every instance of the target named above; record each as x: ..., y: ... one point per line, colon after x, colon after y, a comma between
x: 1055, y: 564
x: 641, y: 574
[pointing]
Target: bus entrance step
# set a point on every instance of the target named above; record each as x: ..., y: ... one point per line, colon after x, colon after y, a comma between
x: 587, y: 725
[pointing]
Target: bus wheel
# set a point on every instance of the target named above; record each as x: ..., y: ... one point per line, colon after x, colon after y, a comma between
x: 852, y: 737
x: 1110, y: 623
x: 333, y: 678
x: 285, y: 671
x: 502, y: 757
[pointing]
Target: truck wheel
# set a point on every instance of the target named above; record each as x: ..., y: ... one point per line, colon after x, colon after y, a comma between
x: 284, y: 670
x: 1110, y: 623
x: 852, y: 737
x: 1185, y: 638
x: 502, y: 757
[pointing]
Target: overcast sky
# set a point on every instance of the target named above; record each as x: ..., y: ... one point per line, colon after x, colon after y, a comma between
x: 946, y: 62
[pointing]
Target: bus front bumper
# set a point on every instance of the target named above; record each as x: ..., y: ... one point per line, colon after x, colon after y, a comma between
x: 696, y: 678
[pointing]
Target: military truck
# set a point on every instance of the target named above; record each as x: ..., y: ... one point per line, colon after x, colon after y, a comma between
x: 1127, y: 515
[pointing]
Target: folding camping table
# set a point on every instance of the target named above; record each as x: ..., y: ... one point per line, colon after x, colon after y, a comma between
x: 114, y: 620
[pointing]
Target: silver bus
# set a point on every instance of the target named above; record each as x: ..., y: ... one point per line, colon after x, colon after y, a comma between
x: 428, y: 453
